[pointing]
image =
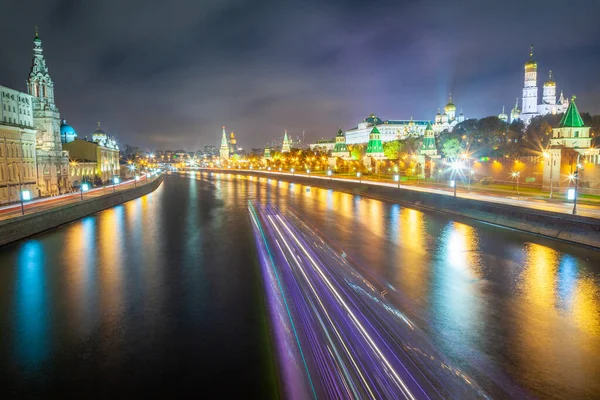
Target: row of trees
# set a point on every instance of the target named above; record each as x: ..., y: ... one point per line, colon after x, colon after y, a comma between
x: 488, y: 137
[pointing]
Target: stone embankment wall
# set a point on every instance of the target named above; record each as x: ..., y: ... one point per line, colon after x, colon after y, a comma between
x: 30, y: 224
x: 570, y: 228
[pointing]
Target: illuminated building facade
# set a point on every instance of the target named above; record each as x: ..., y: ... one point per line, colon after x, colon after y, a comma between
x: 17, y: 145
x: 102, y: 150
x: 389, y: 130
x: 549, y: 105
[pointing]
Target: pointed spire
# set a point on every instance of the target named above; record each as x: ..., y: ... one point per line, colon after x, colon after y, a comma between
x: 502, y: 109
x: 340, y: 132
x: 36, y: 31
x: 531, y: 52
x: 550, y: 75
x: 572, y: 118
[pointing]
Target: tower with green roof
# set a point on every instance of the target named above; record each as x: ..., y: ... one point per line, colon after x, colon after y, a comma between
x: 571, y: 132
x: 267, y: 154
x: 340, y: 149
x: 375, y: 147
x: 428, y: 148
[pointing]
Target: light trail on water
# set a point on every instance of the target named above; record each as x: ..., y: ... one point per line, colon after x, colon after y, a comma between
x: 353, y: 343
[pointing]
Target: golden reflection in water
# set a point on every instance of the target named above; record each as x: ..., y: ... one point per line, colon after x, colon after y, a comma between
x: 343, y: 202
x: 538, y: 283
x: 79, y: 260
x: 374, y: 216
x: 462, y: 250
x: 110, y: 244
x: 412, y: 225
x: 585, y: 307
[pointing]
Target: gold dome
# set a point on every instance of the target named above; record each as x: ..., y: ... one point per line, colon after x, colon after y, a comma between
x: 450, y: 106
x: 530, y: 65
x: 550, y: 81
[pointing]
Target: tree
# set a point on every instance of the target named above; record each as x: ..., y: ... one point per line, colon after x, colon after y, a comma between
x: 357, y: 152
x: 452, y: 148
x: 393, y: 150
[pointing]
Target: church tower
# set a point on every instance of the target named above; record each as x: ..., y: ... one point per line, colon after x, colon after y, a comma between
x: 515, y: 113
x: 549, y: 95
x: 232, y: 144
x: 52, y: 163
x: 530, y: 90
x: 224, y: 149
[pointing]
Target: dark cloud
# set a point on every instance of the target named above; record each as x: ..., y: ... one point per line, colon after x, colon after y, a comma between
x: 169, y: 74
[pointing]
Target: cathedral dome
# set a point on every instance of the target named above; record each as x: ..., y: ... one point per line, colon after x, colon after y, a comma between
x: 530, y: 65
x: 66, y: 129
x: 450, y: 106
x: 502, y: 116
x: 550, y: 81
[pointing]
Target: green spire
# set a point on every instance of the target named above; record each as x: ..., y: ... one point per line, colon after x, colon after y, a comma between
x: 375, y: 147
x: 571, y: 119
x: 340, y: 149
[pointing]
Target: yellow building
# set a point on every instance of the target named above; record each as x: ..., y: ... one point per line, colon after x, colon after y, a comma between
x: 103, y: 153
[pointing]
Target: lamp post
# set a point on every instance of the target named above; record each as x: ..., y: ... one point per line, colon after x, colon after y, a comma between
x: 516, y: 175
x: 456, y: 166
x: 21, y: 194
x: 549, y: 155
x: 576, y: 177
x: 359, y: 178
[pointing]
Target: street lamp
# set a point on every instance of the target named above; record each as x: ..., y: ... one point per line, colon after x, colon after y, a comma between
x: 116, y: 181
x: 456, y: 166
x: 574, y: 177
x: 549, y: 155
x: 397, y: 179
x: 25, y: 196
x: 308, y: 172
x: 292, y: 171
x: 358, y: 176
x: 516, y: 175
x: 329, y: 173
x: 83, y: 188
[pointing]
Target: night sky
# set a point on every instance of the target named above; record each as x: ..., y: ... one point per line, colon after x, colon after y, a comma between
x: 169, y: 74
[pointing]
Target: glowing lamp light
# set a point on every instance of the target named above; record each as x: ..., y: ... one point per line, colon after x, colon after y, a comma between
x: 25, y: 195
x: 396, y: 178
x: 329, y: 172
x: 292, y: 169
x: 358, y: 174
x: 308, y: 171
x: 137, y: 177
x: 85, y: 187
x: 571, y: 194
x: 452, y: 183
x: 116, y: 180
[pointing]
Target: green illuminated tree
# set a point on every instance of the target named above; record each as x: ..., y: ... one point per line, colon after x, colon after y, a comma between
x: 452, y: 148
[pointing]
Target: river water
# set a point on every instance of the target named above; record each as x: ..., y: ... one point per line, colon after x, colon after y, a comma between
x: 162, y: 295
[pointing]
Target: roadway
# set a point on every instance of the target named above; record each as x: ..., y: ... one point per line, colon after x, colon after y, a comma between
x: 520, y: 201
x: 355, y: 344
x: 46, y: 203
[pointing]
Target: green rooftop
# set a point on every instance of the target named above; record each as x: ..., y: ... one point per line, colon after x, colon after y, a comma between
x: 572, y: 118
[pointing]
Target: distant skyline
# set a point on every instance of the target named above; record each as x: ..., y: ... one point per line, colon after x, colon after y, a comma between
x: 168, y: 75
